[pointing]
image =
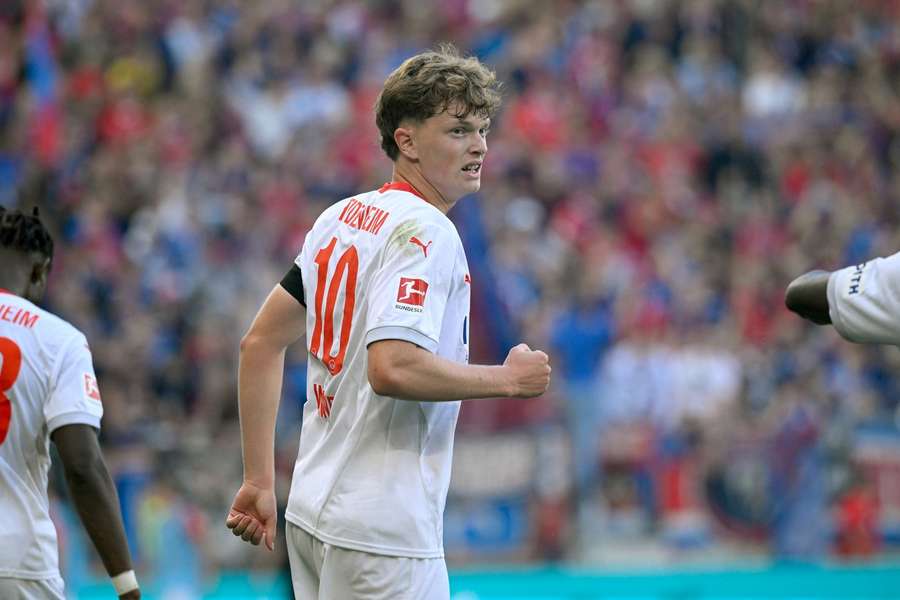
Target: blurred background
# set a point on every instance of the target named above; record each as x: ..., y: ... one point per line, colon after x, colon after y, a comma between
x: 659, y: 172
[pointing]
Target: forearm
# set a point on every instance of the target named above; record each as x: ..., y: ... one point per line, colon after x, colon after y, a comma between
x: 97, y: 503
x: 260, y: 376
x: 419, y: 375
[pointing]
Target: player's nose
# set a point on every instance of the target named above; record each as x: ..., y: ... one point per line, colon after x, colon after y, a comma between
x: 479, y: 145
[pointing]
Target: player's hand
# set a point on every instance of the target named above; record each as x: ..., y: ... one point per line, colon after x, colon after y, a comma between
x: 253, y: 515
x: 132, y: 595
x: 529, y: 371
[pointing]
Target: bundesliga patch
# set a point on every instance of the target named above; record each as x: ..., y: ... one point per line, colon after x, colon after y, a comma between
x: 411, y: 294
x: 91, y: 389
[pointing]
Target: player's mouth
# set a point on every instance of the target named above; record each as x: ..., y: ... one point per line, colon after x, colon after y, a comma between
x: 473, y: 169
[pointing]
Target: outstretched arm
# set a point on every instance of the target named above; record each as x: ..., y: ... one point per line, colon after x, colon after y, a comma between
x: 280, y: 322
x: 94, y: 496
x: 807, y: 296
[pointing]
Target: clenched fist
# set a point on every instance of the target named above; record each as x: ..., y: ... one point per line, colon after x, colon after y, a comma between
x: 253, y: 515
x: 529, y: 371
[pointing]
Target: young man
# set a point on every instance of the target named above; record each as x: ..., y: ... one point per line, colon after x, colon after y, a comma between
x: 862, y: 301
x: 385, y: 281
x: 47, y: 392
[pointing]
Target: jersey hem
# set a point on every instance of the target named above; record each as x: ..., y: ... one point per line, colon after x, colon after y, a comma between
x: 73, y: 418
x: 29, y: 575
x: 361, y: 546
x: 399, y: 332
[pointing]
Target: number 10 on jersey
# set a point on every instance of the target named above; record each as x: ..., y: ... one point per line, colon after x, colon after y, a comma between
x: 345, y: 272
x: 10, y: 363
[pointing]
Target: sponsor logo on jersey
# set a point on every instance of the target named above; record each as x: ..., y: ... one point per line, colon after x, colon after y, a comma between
x: 323, y: 402
x: 91, y: 389
x: 856, y: 282
x: 419, y: 243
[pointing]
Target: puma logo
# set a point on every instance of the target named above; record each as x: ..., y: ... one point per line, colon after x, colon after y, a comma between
x: 418, y: 242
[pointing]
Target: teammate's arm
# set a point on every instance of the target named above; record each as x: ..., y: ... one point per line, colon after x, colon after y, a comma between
x: 94, y: 496
x: 403, y: 370
x: 807, y: 296
x: 279, y: 323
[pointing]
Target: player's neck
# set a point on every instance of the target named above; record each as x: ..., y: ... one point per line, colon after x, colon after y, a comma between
x: 13, y: 287
x: 407, y: 173
x: 14, y: 279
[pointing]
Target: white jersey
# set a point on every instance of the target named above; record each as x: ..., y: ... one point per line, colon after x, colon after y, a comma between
x: 864, y: 301
x: 46, y: 381
x: 372, y: 471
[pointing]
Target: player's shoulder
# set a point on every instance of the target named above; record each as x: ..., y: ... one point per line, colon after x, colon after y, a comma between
x: 340, y: 209
x: 383, y: 211
x: 44, y: 324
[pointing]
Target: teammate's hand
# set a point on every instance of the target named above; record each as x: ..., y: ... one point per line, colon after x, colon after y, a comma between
x: 529, y: 371
x: 253, y: 515
x: 132, y: 595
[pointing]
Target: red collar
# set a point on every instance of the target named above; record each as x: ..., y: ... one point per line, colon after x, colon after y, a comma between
x: 3, y: 291
x: 402, y: 186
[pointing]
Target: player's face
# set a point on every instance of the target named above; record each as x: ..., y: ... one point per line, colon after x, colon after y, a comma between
x: 451, y: 151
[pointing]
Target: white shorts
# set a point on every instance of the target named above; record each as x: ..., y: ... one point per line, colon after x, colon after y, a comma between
x: 32, y: 589
x: 320, y: 571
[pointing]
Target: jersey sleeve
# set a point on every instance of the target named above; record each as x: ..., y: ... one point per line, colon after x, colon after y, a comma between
x: 74, y: 394
x: 864, y: 301
x: 409, y: 292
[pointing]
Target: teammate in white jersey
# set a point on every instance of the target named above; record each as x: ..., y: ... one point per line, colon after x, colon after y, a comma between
x: 48, y: 391
x: 385, y: 280
x: 861, y: 301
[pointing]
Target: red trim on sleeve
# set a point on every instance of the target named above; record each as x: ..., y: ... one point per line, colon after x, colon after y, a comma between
x: 402, y: 186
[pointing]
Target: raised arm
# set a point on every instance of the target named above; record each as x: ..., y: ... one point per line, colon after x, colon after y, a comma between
x: 807, y: 296
x: 403, y: 370
x: 95, y: 499
x: 279, y: 323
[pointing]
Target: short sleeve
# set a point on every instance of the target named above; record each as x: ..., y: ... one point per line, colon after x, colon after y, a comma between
x: 864, y: 301
x: 74, y: 395
x: 409, y: 293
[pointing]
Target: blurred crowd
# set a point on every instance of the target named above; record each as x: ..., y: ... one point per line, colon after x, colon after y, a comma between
x: 658, y: 173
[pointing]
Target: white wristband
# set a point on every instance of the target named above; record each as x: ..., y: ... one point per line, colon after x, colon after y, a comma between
x: 125, y: 582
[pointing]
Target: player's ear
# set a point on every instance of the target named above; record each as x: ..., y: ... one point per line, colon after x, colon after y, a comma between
x: 40, y: 270
x: 405, y: 139
x: 37, y: 283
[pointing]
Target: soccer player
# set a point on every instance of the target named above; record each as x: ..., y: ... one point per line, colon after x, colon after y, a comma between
x: 861, y: 301
x: 381, y: 288
x: 47, y: 392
